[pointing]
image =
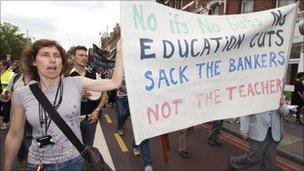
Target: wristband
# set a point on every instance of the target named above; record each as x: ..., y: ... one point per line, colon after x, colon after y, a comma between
x: 97, y: 110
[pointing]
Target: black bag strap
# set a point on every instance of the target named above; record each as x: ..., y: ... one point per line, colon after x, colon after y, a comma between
x: 62, y: 125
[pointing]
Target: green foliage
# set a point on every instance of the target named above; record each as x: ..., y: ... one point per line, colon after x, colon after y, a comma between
x: 11, y: 42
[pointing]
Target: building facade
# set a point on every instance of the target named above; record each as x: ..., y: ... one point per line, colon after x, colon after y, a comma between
x: 226, y: 7
x: 108, y: 42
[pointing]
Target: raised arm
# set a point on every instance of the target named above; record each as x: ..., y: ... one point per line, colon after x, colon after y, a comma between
x: 14, y: 135
x: 107, y: 84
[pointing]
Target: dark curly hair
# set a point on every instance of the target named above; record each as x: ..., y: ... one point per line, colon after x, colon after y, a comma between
x: 30, y: 53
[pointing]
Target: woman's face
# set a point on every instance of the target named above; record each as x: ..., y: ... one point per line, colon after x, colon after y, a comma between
x: 48, y: 62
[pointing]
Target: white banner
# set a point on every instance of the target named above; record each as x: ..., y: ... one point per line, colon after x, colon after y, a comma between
x: 184, y: 69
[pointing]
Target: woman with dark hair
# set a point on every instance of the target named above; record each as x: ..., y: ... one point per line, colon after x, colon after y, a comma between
x: 45, y: 60
x: 298, y: 93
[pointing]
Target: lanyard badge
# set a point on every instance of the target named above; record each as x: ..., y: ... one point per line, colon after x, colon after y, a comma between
x: 45, y: 141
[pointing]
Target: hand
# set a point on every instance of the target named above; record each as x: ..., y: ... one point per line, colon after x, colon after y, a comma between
x: 244, y: 135
x: 204, y: 126
x: 5, y: 96
x: 85, y: 95
x: 94, y: 116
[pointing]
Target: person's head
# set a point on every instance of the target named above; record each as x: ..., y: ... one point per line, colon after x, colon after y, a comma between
x: 300, y: 76
x: 99, y: 69
x: 15, y: 63
x: 44, y: 58
x: 6, y: 65
x: 80, y: 56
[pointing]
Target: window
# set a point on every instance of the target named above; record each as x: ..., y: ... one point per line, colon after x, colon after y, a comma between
x: 295, y: 51
x: 247, y: 6
x: 292, y: 72
x: 214, y: 10
x: 182, y: 4
x: 196, y: 3
x: 173, y: 3
x: 281, y: 3
x: 294, y: 63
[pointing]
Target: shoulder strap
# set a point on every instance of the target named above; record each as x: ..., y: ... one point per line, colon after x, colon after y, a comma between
x: 49, y: 108
x: 15, y: 79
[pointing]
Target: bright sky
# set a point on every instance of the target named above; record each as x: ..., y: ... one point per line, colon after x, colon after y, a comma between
x: 68, y: 22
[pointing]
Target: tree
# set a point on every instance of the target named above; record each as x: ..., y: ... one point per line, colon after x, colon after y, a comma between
x: 12, y: 42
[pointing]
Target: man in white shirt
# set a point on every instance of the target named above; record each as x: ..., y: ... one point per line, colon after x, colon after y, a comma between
x: 92, y: 102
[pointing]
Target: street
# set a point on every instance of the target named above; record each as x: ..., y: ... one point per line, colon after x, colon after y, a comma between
x: 117, y: 150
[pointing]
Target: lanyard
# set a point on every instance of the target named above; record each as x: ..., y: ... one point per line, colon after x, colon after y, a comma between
x: 43, y: 117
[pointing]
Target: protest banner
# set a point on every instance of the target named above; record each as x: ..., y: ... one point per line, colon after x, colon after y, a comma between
x: 184, y: 69
x: 99, y: 60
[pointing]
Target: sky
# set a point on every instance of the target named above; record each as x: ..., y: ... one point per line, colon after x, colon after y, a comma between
x: 68, y: 22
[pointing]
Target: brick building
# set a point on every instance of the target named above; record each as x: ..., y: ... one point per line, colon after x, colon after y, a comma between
x: 226, y: 7
x: 108, y: 42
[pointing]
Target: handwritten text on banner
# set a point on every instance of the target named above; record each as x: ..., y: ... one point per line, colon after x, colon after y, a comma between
x: 183, y: 69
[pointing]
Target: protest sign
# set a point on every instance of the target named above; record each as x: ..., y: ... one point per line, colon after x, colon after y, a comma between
x: 184, y: 69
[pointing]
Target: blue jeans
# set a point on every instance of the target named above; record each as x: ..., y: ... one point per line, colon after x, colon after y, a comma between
x: 74, y: 164
x: 145, y: 151
x: 88, y: 132
x: 122, y: 107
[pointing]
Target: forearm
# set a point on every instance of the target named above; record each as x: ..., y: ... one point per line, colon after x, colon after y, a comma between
x: 300, y: 94
x: 118, y: 71
x: 102, y: 101
x: 107, y: 84
x: 11, y: 148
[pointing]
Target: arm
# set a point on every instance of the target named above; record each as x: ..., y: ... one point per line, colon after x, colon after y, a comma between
x: 14, y: 135
x: 95, y: 114
x: 107, y: 84
x: 300, y: 94
x: 298, y: 89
